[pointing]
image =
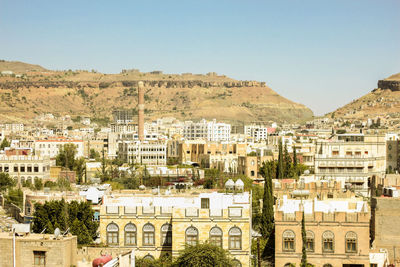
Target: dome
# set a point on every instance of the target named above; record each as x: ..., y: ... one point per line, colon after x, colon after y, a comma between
x: 229, y: 184
x: 239, y: 185
x: 142, y: 187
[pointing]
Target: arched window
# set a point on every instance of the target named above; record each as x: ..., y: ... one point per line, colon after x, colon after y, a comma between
x: 328, y: 241
x: 148, y: 235
x: 236, y: 263
x: 235, y: 238
x: 29, y: 168
x: 351, y: 242
x: 130, y: 234
x: 216, y: 236
x: 192, y: 236
x: 288, y: 265
x: 327, y: 265
x: 112, y: 234
x: 166, y: 235
x: 310, y: 241
x: 288, y: 240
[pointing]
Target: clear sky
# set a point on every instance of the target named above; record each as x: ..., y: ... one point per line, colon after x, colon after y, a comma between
x: 322, y: 53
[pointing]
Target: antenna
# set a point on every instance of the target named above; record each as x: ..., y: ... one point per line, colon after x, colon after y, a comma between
x: 66, y: 231
x: 43, y: 230
x: 57, y: 233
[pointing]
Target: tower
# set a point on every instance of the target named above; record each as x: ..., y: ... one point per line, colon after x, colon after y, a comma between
x: 141, y: 111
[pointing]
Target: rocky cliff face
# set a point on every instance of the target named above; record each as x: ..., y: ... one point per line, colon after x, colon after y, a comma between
x: 389, y: 84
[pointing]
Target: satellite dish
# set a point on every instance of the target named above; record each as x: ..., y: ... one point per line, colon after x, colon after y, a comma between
x: 57, y: 233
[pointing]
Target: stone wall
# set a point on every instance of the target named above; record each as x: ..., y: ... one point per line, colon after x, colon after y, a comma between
x: 392, y: 85
x: 386, y: 225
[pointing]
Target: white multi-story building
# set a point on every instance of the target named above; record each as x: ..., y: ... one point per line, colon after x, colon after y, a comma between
x: 256, y: 132
x: 145, y: 153
x: 51, y: 147
x: 26, y: 168
x: 207, y: 130
x: 351, y: 158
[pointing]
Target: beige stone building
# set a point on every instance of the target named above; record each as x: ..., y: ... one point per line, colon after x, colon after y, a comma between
x: 250, y: 166
x: 155, y: 225
x: 26, y: 168
x: 38, y: 250
x: 385, y: 226
x: 337, y: 232
x: 351, y: 158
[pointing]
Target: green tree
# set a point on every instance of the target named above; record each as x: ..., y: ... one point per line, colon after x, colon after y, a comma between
x: 4, y: 144
x: 304, y: 240
x: 203, y: 255
x: 78, y: 216
x: 6, y: 181
x: 80, y: 168
x: 93, y: 154
x: 66, y: 156
x: 267, y: 228
x: 287, y: 163
x: 38, y: 184
x: 15, y: 196
x: 280, y: 167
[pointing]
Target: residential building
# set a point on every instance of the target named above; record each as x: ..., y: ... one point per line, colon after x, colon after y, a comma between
x: 385, y: 221
x: 145, y: 153
x: 26, y: 168
x: 337, y: 232
x: 51, y: 147
x: 393, y: 155
x: 37, y: 250
x: 351, y: 158
x: 207, y: 130
x: 157, y: 225
x: 256, y: 132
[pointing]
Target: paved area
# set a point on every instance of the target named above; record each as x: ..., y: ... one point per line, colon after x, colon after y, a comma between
x: 5, y: 221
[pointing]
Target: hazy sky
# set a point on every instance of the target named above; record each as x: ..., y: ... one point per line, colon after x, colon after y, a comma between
x: 322, y: 53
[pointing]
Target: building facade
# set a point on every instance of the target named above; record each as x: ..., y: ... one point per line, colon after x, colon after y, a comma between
x: 352, y: 159
x: 38, y: 250
x: 207, y: 130
x: 160, y: 225
x: 26, y: 168
x: 337, y: 232
x: 144, y: 153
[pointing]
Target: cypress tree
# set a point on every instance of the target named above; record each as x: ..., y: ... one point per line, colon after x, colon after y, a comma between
x: 287, y: 163
x: 304, y: 239
x: 267, y: 217
x: 295, y: 171
x: 280, y: 169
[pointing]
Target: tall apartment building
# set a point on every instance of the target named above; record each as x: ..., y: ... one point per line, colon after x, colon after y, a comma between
x: 207, y: 130
x: 159, y: 225
x: 352, y: 159
x: 256, y: 132
x: 337, y: 232
x: 51, y: 147
x: 26, y: 168
x: 145, y: 153
x: 122, y: 116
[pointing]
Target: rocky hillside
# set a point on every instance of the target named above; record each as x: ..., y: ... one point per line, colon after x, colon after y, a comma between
x: 184, y: 96
x: 384, y: 102
x: 19, y: 67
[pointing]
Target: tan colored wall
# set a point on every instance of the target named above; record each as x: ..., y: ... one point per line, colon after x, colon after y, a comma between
x: 61, y: 253
x: 339, y: 228
x: 180, y: 222
x: 387, y: 225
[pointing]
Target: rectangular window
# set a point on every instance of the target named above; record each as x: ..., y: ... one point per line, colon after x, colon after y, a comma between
x: 205, y: 203
x: 39, y: 258
x: 328, y: 245
x: 15, y: 168
x: 148, y: 239
x: 288, y: 244
x: 310, y: 244
x: 351, y: 245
